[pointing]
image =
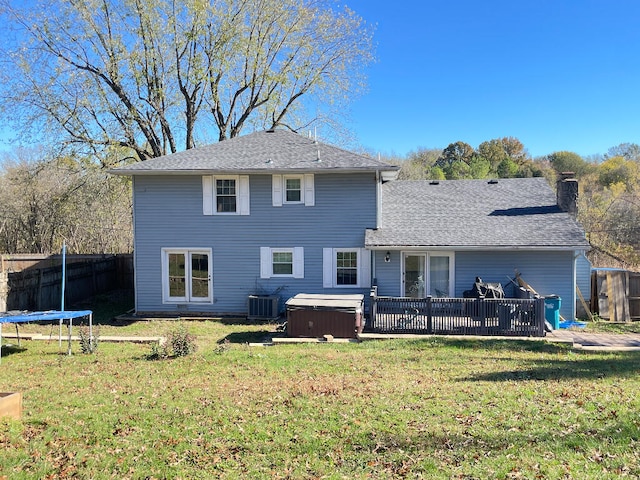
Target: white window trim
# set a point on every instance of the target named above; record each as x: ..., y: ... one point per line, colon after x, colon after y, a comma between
x: 209, y: 194
x: 330, y: 268
x: 266, y: 262
x: 166, y: 298
x: 307, y: 190
x: 284, y: 189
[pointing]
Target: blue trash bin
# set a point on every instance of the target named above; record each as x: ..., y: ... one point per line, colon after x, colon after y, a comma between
x: 552, y: 310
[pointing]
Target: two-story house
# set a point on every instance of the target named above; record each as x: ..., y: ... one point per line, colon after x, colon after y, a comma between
x: 278, y: 212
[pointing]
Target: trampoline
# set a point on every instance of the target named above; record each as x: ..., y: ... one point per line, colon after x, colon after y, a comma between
x: 49, y: 316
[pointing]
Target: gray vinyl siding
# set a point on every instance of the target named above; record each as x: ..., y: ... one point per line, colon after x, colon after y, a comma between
x: 547, y: 272
x: 168, y: 213
x: 388, y: 274
x: 583, y: 280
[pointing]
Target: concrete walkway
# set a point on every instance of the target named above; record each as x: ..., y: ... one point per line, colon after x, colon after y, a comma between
x: 597, y: 341
x: 585, y: 341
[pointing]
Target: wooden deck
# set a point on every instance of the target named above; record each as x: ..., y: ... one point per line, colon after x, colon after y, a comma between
x: 457, y: 316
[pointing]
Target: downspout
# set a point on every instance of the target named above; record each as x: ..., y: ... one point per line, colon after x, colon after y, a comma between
x: 378, y: 200
x: 575, y: 280
x: 135, y: 241
x: 374, y: 255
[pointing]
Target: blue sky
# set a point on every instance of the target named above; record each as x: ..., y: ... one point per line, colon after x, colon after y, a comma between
x: 558, y: 75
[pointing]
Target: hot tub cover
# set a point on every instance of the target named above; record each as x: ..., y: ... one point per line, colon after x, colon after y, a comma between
x: 321, y: 300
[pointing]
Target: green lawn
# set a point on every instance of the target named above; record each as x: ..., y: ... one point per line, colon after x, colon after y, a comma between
x: 431, y: 408
x: 604, y: 326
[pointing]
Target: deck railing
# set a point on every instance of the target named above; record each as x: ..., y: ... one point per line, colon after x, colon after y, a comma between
x: 457, y: 316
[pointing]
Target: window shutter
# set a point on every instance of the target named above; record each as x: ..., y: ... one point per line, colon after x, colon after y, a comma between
x: 276, y: 189
x: 364, y: 279
x: 265, y: 262
x: 327, y: 267
x: 207, y: 195
x: 243, y: 195
x: 309, y: 190
x: 298, y: 262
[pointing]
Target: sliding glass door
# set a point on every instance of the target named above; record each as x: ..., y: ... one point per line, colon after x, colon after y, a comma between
x: 428, y: 273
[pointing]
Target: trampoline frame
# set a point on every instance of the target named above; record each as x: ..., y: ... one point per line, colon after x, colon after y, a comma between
x: 49, y: 316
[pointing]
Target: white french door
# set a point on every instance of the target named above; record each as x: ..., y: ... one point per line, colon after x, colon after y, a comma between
x: 428, y: 273
x: 186, y: 275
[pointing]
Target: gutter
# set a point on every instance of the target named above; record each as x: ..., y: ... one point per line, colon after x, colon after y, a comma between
x: 467, y: 248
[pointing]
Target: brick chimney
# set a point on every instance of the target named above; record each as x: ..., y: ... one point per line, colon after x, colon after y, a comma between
x: 567, y: 193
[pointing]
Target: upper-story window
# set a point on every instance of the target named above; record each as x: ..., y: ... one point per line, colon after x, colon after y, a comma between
x: 225, y: 195
x: 226, y: 198
x: 292, y: 189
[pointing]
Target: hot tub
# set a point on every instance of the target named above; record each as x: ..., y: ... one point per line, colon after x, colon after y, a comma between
x: 316, y: 315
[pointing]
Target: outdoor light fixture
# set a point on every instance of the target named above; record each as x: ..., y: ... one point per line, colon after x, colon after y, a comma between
x: 387, y: 257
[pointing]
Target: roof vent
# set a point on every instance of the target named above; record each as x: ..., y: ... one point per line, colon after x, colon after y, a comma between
x: 271, y: 130
x: 434, y: 182
x: 269, y: 162
x: 493, y: 181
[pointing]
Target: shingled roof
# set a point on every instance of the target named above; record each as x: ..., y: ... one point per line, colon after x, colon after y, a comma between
x: 259, y: 152
x: 472, y: 214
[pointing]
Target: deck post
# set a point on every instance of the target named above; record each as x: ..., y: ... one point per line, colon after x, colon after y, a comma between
x: 540, y: 316
x: 482, y: 311
x: 373, y: 293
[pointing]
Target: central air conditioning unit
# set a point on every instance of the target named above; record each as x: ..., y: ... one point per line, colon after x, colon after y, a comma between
x: 263, y: 307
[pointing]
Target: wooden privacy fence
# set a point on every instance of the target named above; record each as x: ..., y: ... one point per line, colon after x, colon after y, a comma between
x: 457, y: 316
x: 40, y: 287
x: 615, y: 294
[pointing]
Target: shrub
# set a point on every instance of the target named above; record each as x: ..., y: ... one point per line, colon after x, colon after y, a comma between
x: 182, y: 343
x: 179, y: 343
x: 158, y: 351
x: 88, y: 344
x: 221, y: 347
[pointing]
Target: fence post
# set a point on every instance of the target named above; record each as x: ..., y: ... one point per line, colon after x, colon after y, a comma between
x: 39, y: 292
x: 4, y: 290
x: 94, y: 281
x: 429, y: 316
x: 540, y: 316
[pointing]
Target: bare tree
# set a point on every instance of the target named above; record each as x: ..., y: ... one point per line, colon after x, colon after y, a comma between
x: 419, y: 163
x: 45, y: 201
x: 156, y: 76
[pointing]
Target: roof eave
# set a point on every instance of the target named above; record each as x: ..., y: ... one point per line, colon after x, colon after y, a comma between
x: 254, y: 171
